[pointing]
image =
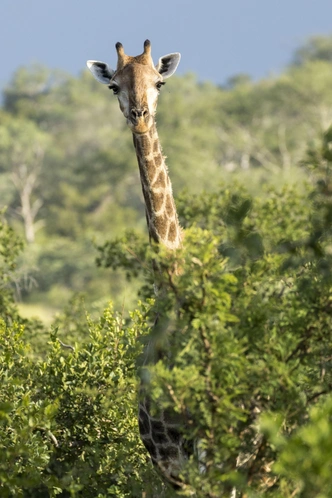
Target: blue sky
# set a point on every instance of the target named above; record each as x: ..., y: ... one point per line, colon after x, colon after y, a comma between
x: 217, y: 39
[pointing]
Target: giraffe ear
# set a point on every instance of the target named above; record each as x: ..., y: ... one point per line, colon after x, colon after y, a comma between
x: 167, y: 64
x: 101, y: 71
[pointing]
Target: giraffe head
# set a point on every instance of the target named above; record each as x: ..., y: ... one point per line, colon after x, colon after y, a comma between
x: 136, y: 82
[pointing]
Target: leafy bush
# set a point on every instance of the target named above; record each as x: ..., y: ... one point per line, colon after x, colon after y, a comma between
x: 68, y: 413
x: 244, y: 323
x: 69, y: 421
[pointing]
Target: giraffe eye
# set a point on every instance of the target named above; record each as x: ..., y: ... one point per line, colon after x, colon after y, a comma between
x: 115, y: 89
x: 160, y: 84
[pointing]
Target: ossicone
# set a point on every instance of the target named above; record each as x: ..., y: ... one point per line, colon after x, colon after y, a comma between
x: 147, y: 47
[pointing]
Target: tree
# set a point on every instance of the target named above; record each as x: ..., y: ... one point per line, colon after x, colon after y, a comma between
x: 22, y: 150
x: 316, y: 48
x: 248, y: 318
x: 68, y: 420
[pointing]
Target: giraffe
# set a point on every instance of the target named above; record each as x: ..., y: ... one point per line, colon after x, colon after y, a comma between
x: 137, y: 82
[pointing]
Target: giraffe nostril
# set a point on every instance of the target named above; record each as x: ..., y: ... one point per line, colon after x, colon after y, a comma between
x: 138, y: 113
x: 134, y: 113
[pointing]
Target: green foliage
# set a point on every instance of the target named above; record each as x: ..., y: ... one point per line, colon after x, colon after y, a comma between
x: 68, y: 408
x: 244, y: 316
x: 10, y: 246
x: 85, y: 178
x: 68, y: 422
x: 316, y: 48
x: 304, y: 461
x: 244, y: 307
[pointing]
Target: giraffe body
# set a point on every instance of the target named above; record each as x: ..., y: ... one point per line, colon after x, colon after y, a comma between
x: 136, y: 82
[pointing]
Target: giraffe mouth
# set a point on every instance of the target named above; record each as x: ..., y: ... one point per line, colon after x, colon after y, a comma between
x: 140, y: 125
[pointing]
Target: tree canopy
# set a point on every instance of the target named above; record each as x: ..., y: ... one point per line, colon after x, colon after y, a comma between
x: 246, y: 304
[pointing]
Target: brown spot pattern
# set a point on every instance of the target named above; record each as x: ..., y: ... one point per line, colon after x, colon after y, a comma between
x: 161, y: 226
x: 144, y: 424
x: 158, y: 200
x: 149, y: 445
x: 158, y: 160
x: 172, y: 232
x: 169, y: 206
x: 145, y: 144
x: 151, y: 170
x: 147, y: 201
x: 170, y: 453
x: 156, y: 188
x: 160, y: 180
x: 159, y: 437
x: 156, y: 146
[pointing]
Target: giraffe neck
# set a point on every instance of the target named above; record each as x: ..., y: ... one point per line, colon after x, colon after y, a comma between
x: 161, y: 215
x: 160, y: 433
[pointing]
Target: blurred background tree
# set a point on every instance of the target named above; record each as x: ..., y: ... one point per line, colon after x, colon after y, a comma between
x: 317, y: 48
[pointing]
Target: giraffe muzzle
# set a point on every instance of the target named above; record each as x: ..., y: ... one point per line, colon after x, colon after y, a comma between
x: 138, y: 113
x: 139, y: 119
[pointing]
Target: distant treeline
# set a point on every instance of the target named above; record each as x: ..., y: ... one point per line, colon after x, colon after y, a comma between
x: 68, y: 172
